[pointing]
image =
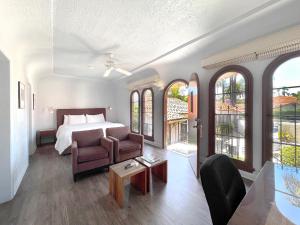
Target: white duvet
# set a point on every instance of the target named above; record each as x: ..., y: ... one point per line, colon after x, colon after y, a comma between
x: 64, y: 133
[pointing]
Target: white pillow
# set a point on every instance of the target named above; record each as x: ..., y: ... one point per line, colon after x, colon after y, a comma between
x: 77, y: 119
x: 66, y: 119
x: 95, y: 118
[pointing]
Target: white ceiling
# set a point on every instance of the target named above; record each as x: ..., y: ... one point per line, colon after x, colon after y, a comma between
x: 25, y: 30
x: 67, y: 36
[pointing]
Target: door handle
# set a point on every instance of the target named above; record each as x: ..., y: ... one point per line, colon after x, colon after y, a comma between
x: 201, y: 130
x: 200, y: 126
x: 198, y: 120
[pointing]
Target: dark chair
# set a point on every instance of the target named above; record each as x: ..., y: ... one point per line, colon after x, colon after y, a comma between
x: 223, y: 187
x: 127, y: 145
x: 90, y: 150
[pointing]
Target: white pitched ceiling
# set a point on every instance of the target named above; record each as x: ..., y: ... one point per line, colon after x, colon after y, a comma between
x: 135, y: 31
x: 76, y: 34
x: 25, y: 34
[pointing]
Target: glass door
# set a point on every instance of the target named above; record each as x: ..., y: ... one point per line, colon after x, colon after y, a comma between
x: 194, y: 124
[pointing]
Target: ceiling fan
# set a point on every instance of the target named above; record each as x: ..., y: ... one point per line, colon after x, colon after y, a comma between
x: 111, y: 65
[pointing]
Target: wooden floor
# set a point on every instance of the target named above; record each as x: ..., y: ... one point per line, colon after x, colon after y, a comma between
x: 48, y: 195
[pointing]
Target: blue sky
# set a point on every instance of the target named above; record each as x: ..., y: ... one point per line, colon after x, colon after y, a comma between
x: 287, y: 74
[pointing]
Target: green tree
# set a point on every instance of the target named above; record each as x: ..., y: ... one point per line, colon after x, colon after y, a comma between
x: 297, y: 95
x: 285, y: 135
x: 225, y: 128
x: 288, y: 155
x: 285, y: 91
x: 175, y: 93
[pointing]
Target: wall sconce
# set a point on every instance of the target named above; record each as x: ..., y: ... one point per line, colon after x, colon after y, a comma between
x: 109, y: 108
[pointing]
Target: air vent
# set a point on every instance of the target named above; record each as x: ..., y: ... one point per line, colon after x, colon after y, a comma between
x: 153, y: 81
x: 263, y: 48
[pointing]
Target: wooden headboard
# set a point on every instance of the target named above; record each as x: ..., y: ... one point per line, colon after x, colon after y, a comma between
x: 91, y: 111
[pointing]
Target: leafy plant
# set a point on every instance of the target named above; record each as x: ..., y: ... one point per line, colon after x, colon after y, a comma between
x: 297, y: 95
x: 224, y: 128
x: 175, y: 93
x: 238, y: 88
x: 285, y: 91
x: 285, y: 136
x: 288, y: 156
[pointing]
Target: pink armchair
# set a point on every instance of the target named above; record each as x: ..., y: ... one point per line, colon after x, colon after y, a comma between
x: 90, y: 150
x: 126, y: 145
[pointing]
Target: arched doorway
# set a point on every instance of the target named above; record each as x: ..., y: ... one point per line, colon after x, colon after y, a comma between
x: 175, y: 114
x: 181, y: 119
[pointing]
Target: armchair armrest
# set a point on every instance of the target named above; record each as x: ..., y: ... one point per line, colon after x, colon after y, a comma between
x: 113, y: 139
x: 139, y: 139
x: 74, y: 150
x: 108, y: 145
x: 74, y: 146
x: 115, y: 147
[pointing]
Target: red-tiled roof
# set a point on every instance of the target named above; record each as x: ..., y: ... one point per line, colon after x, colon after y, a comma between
x: 284, y: 100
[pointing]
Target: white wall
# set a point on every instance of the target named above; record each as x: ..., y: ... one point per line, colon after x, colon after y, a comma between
x: 15, y: 127
x: 60, y: 92
x: 5, y: 172
x: 19, y: 124
x: 183, y: 69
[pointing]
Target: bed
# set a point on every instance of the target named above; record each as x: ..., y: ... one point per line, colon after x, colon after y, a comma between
x: 64, y: 132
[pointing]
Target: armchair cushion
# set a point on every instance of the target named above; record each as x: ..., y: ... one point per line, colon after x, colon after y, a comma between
x: 86, y: 154
x: 129, y: 146
x: 120, y: 133
x: 87, y: 138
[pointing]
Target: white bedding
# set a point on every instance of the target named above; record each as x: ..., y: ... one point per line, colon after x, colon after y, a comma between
x: 64, y: 132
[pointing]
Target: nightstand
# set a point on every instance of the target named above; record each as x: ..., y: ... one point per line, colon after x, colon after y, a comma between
x: 45, y: 137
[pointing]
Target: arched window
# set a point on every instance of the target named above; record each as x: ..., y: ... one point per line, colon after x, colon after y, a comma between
x: 230, y: 115
x: 281, y: 110
x: 147, y: 114
x: 135, y: 112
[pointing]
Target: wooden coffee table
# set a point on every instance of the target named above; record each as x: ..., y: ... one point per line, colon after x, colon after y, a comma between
x: 118, y: 174
x: 158, y: 168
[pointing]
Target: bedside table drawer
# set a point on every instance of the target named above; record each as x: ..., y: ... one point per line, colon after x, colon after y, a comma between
x: 45, y: 137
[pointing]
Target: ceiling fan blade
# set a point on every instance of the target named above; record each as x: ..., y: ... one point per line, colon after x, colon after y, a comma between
x: 107, y: 72
x: 125, y: 72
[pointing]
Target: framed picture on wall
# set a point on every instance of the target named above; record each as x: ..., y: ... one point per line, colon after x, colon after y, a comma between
x: 21, y: 95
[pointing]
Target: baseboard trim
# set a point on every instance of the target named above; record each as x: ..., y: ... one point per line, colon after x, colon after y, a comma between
x: 157, y: 145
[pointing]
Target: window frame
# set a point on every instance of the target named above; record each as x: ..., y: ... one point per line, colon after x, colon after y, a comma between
x: 246, y: 165
x: 267, y: 104
x: 131, y: 114
x: 147, y: 137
